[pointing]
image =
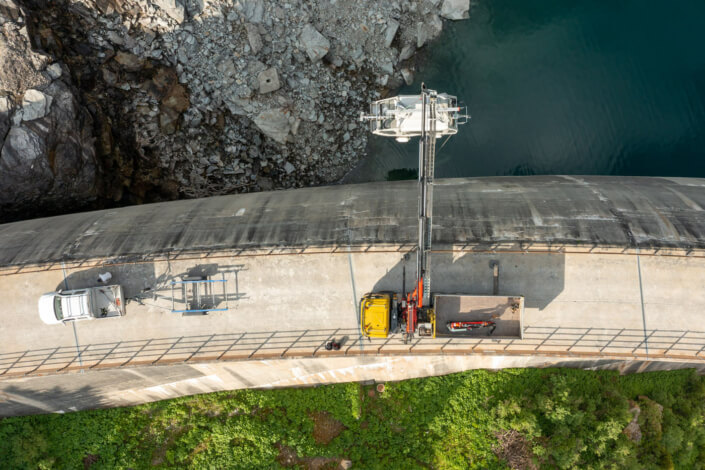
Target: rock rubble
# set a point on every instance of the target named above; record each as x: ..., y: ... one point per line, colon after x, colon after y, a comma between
x: 191, y: 98
x: 47, y: 155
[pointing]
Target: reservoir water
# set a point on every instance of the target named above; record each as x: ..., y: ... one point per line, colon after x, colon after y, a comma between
x: 565, y: 87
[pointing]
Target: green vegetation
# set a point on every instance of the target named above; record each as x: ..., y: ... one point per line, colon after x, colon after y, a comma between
x: 530, y: 418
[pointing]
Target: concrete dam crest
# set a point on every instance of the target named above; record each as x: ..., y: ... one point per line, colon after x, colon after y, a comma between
x: 611, y: 270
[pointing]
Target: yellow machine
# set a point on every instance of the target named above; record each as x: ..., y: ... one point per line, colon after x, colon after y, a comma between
x: 452, y: 315
x: 381, y: 315
x: 378, y: 314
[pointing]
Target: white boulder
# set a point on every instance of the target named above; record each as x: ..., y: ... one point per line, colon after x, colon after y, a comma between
x: 408, y: 76
x: 35, y: 105
x: 268, y: 80
x: 274, y: 123
x: 54, y: 70
x: 390, y: 32
x: 254, y: 38
x: 173, y: 8
x: 252, y: 10
x: 315, y: 44
x: 455, y: 9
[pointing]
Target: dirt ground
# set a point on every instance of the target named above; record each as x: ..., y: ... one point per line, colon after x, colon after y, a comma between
x: 325, y: 429
x: 514, y: 449
x: 288, y: 458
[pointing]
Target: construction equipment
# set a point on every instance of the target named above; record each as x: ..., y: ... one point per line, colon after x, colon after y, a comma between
x: 381, y: 314
x: 429, y: 116
x: 199, y: 295
x: 458, y: 326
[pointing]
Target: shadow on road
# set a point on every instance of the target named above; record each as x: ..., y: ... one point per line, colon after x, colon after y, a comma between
x: 539, y: 277
x: 134, y: 278
x: 140, y: 282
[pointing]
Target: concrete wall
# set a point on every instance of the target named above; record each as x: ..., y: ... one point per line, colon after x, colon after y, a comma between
x: 595, y: 210
x: 126, y: 387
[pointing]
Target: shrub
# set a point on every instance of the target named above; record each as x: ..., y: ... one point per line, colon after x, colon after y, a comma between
x: 563, y: 418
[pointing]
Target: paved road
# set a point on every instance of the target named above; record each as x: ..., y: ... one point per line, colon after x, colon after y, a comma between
x: 284, y: 305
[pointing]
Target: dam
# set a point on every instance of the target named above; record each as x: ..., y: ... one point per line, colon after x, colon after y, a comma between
x: 611, y: 269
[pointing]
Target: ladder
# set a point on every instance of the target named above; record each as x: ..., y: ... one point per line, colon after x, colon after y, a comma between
x: 427, y: 160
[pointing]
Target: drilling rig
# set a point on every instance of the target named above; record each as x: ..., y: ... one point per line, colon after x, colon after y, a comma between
x: 429, y: 116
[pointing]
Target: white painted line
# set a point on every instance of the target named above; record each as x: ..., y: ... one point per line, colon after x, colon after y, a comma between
x: 354, y: 290
x: 641, y: 294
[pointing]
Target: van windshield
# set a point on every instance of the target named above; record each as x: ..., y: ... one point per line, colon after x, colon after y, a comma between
x: 57, y: 308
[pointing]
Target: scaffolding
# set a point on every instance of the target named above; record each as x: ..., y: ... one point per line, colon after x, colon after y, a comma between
x: 198, y: 294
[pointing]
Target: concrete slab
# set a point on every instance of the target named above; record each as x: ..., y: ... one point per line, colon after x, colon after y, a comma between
x: 545, y: 211
x: 674, y: 295
x: 125, y: 387
x: 291, y: 305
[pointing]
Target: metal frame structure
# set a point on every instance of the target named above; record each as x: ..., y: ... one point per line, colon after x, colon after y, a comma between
x: 400, y: 116
x: 196, y: 298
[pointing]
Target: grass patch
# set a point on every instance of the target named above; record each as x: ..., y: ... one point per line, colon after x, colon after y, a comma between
x: 520, y: 418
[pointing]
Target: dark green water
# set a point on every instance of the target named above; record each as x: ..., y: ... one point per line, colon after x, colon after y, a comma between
x: 566, y: 87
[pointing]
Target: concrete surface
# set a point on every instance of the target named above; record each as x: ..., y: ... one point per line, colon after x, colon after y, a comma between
x: 126, y: 387
x: 608, y: 305
x: 610, y: 270
x: 591, y: 210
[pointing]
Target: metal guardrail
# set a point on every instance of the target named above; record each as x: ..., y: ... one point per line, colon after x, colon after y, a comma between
x: 474, y: 247
x: 548, y: 341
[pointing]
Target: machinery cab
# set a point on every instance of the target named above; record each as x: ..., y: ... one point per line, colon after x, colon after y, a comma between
x: 378, y: 314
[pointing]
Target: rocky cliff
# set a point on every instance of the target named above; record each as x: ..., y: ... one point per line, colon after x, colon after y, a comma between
x: 141, y: 100
x: 46, y: 136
